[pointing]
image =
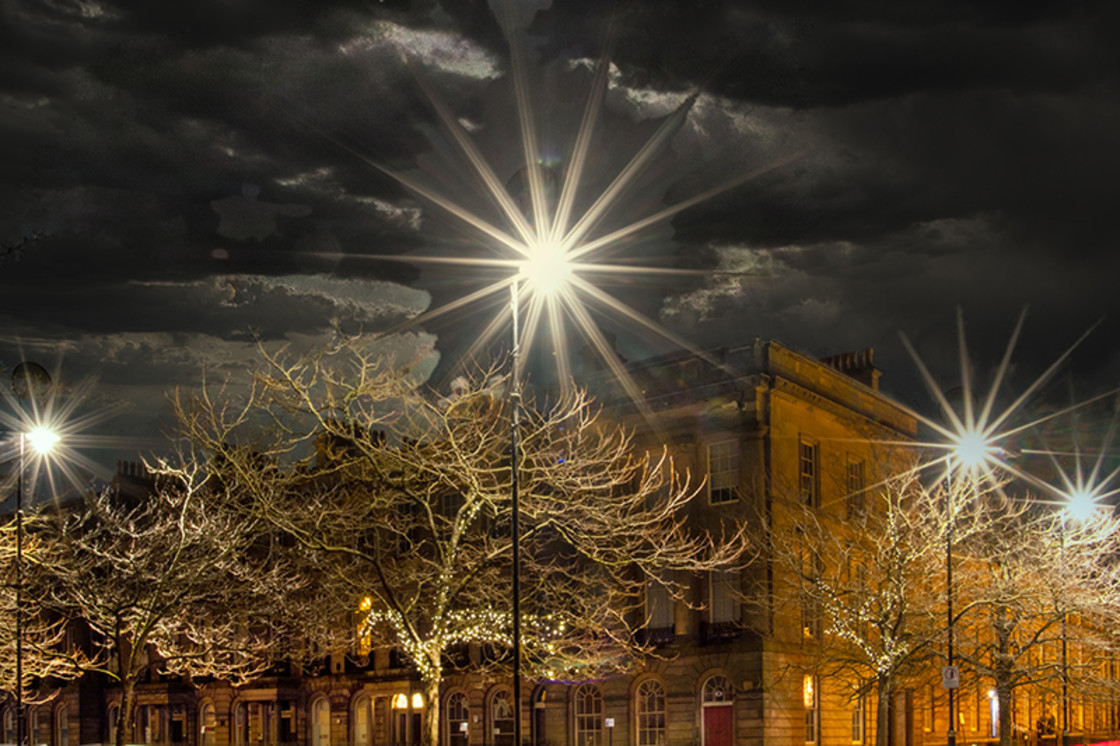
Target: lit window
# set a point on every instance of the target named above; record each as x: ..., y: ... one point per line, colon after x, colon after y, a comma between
x: 723, y: 472
x: 809, y: 699
x: 809, y: 473
x: 651, y: 713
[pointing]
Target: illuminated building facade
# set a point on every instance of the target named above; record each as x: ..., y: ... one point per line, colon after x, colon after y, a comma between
x: 774, y: 431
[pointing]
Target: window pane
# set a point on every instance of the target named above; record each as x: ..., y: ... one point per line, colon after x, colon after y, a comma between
x: 723, y: 471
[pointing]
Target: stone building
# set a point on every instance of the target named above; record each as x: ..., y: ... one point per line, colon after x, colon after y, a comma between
x: 771, y: 429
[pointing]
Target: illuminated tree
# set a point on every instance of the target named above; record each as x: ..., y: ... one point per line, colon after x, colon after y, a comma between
x: 166, y: 582
x: 871, y: 585
x: 400, y: 500
x: 44, y: 653
x: 1035, y: 579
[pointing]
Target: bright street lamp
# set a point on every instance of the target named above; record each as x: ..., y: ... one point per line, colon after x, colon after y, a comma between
x: 29, y: 380
x: 546, y: 271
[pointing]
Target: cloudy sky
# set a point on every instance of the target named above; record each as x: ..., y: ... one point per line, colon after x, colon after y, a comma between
x: 181, y: 176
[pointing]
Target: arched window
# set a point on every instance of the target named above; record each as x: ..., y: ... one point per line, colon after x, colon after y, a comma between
x: 457, y: 718
x: 363, y: 721
x: 717, y: 690
x: 589, y: 715
x: 208, y: 723
x: 39, y: 726
x: 9, y: 725
x: 321, y: 722
x: 501, y: 718
x: 62, y: 726
x: 650, y: 706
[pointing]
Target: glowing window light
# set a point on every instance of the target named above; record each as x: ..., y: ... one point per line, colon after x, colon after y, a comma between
x: 400, y: 702
x: 808, y: 695
x: 417, y: 701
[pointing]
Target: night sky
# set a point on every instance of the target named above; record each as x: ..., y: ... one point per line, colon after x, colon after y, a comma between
x: 179, y: 177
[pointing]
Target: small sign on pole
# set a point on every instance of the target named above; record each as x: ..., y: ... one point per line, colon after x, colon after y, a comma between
x: 950, y: 677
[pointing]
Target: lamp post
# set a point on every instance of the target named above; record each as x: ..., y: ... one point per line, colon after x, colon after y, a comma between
x: 545, y: 270
x: 970, y: 451
x: 29, y: 381
x: 1079, y: 506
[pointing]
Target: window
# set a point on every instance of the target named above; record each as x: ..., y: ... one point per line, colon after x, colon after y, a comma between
x: 501, y: 718
x: 457, y: 719
x: 809, y: 473
x: 62, y: 725
x: 589, y: 715
x: 725, y: 597
x: 717, y: 690
x: 659, y: 613
x: 931, y: 711
x: 9, y: 725
x: 810, y: 699
x: 651, y: 713
x: 859, y: 706
x: 723, y: 472
x: 320, y: 722
x: 857, y: 504
x: 810, y: 604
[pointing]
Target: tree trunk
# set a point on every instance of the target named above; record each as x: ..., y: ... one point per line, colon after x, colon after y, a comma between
x: 431, y: 711
x: 884, y: 687
x: 123, y: 733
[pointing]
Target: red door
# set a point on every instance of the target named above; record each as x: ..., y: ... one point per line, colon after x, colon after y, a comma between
x: 717, y: 726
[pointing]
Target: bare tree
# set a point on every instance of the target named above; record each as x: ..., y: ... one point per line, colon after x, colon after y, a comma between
x: 872, y: 582
x: 401, y: 500
x: 1038, y: 583
x: 42, y: 636
x: 167, y: 582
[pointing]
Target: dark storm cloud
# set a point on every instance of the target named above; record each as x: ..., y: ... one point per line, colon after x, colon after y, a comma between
x: 178, y: 173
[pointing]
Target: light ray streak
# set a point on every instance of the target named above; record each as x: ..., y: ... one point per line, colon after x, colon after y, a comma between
x: 481, y: 165
x: 528, y: 129
x: 612, y: 303
x: 610, y: 357
x: 629, y: 173
x: 582, y: 146
x: 984, y: 433
x: 453, y: 305
x: 451, y: 207
x: 611, y: 239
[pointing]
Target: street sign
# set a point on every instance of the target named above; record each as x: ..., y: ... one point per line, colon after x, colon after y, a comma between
x: 950, y: 677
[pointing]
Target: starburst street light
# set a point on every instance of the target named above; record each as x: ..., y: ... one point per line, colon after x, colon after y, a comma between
x: 976, y: 446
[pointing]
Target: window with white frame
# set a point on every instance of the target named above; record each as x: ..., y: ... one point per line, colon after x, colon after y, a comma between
x: 589, y: 715
x: 457, y: 720
x: 717, y: 690
x: 651, y: 713
x: 723, y: 472
x: 809, y: 472
x: 501, y: 718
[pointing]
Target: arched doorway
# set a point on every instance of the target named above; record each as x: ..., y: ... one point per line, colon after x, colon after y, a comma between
x: 716, y: 705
